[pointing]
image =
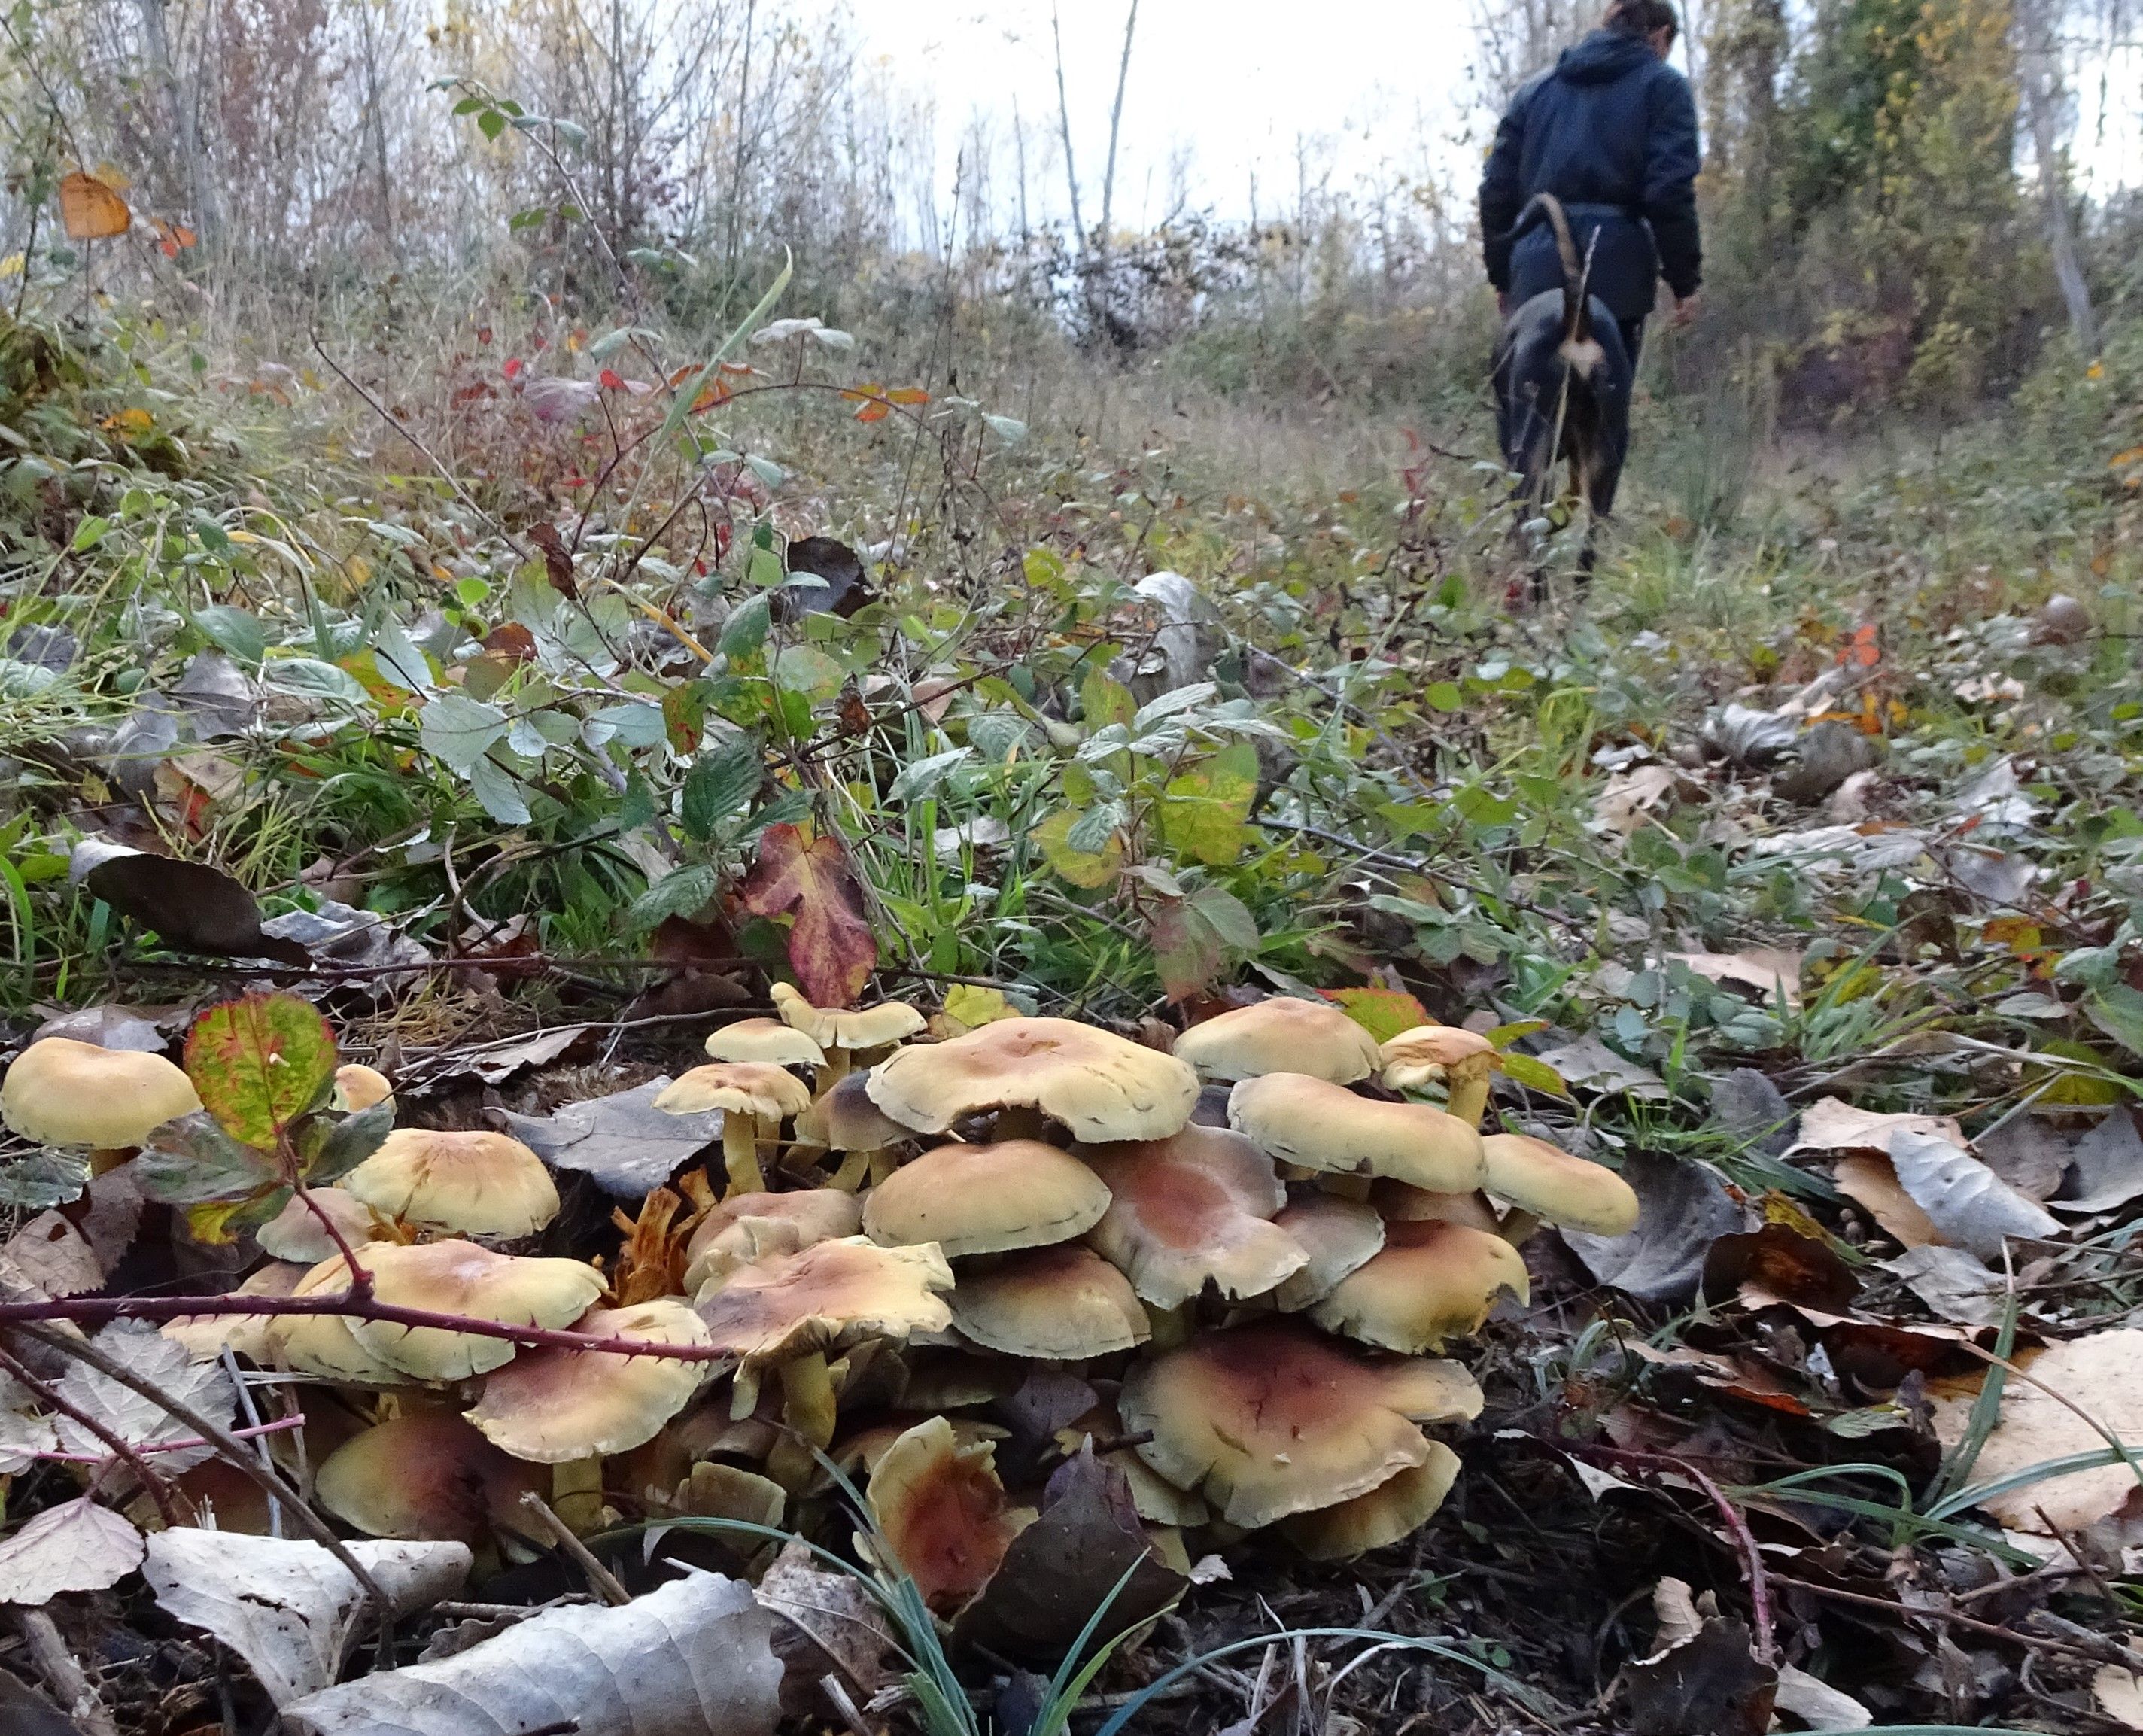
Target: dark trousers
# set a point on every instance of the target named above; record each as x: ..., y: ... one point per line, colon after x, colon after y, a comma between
x: 1633, y: 339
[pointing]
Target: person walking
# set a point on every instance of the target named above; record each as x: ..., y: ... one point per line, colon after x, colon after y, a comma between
x: 1611, y: 130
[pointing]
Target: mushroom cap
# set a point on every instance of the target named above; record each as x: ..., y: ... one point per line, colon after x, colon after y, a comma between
x: 1059, y: 1304
x: 323, y: 1344
x: 831, y: 1294
x: 868, y: 1446
x: 1337, y: 1237
x: 1424, y: 1052
x: 1550, y: 1183
x: 1403, y: 1204
x: 954, y: 1380
x: 1303, y: 1119
x: 756, y: 1088
x: 846, y: 1120
x: 425, y: 1475
x: 843, y: 1028
x: 1433, y: 1280
x: 477, y: 1183
x: 552, y: 1406
x: 943, y: 1511
x: 460, y: 1278
x: 203, y: 1336
x: 985, y: 1198
x: 1158, y: 1501
x: 359, y: 1087
x: 1280, y: 1035
x: 1101, y: 1086
x: 1192, y: 1209
x: 1396, y: 1508
x: 745, y: 1226
x: 1273, y: 1419
x: 767, y: 1040
x: 61, y: 1092
x: 296, y: 1233
x: 716, y: 1491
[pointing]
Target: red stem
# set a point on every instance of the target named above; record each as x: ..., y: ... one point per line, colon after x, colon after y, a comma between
x: 275, y: 1427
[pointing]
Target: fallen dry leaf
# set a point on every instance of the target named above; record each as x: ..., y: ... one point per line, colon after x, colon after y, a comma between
x: 75, y: 1546
x: 831, y: 947
x: 2118, y: 1693
x: 1968, y: 1203
x: 1682, y: 1209
x: 1705, y: 1679
x: 1868, y: 1180
x: 1767, y: 970
x: 1833, y: 1124
x: 628, y: 1145
x: 49, y: 1257
x: 2106, y: 1167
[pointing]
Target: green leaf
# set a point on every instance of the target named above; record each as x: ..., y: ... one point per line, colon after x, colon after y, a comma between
x: 1444, y: 696
x: 1382, y: 1012
x: 233, y: 631
x: 920, y: 778
x: 1228, y: 917
x: 2117, y: 1010
x: 744, y: 634
x: 193, y: 1160
x: 1087, y: 869
x: 458, y: 731
x: 1201, y: 811
x: 805, y: 669
x: 499, y: 792
x: 1535, y: 1075
x: 1091, y: 831
x: 721, y: 781
x: 349, y: 1140
x: 90, y: 532
x: 259, y: 1063
x: 490, y: 123
x: 1105, y: 702
x: 677, y: 894
x: 684, y: 713
x: 41, y: 1180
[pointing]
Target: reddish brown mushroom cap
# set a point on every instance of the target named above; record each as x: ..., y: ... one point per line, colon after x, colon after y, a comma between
x: 1433, y: 1280
x: 1100, y: 1085
x: 473, y: 1183
x: 846, y: 1120
x: 1550, y: 1183
x: 825, y: 1296
x: 1396, y: 1508
x: 1280, y: 1035
x: 985, y: 1198
x: 1273, y: 1419
x: 1064, y: 1303
x: 746, y: 1226
x: 1402, y: 1205
x: 1192, y: 1209
x: 553, y: 1405
x: 1320, y: 1125
x: 942, y: 1512
x: 425, y: 1475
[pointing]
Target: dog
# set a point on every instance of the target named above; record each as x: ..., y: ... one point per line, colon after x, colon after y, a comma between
x: 1562, y: 380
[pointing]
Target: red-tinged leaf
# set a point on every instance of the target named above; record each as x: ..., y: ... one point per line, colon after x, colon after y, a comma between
x: 512, y: 369
x: 1382, y: 1012
x: 831, y: 947
x: 908, y: 395
x: 1187, y: 953
x: 260, y: 1063
x: 611, y: 380
x: 483, y: 335
x: 869, y: 389
x: 875, y: 411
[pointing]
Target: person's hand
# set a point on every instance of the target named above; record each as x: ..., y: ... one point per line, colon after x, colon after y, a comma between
x: 1686, y: 308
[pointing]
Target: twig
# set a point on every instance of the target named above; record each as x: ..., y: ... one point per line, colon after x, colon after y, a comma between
x: 123, y: 1450
x: 1904, y: 1612
x: 63, y: 1675
x: 600, y: 1577
x: 119, y: 1447
x: 837, y: 1696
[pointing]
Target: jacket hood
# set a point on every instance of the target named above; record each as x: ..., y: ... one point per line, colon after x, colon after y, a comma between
x: 1604, y: 56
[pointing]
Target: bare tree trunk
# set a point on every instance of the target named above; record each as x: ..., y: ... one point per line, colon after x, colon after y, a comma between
x: 157, y: 51
x: 1064, y: 113
x: 2040, y: 64
x: 1019, y: 148
x: 375, y: 127
x: 1115, y: 122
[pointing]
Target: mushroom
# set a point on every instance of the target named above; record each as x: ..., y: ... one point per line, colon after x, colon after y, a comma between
x: 296, y: 1232
x: 1280, y: 1035
x: 942, y: 1513
x: 460, y: 1278
x: 359, y: 1087
x: 323, y: 1344
x: 476, y: 1184
x: 1433, y: 1280
x: 1336, y: 1236
x: 1320, y: 1125
x: 715, y: 1491
x: 753, y: 1096
x: 1100, y: 1085
x: 1461, y: 1059
x: 786, y: 1311
x: 1396, y: 1200
x: 845, y: 1120
x: 1060, y: 1304
x: 1192, y: 1209
x: 62, y: 1092
x: 425, y: 1475
x: 746, y: 1226
x: 1273, y: 1419
x: 553, y: 1405
x: 765, y: 1040
x: 1547, y: 1183
x: 841, y: 1030
x: 203, y: 1337
x: 1396, y: 1508
x: 863, y: 1450
x: 985, y: 1198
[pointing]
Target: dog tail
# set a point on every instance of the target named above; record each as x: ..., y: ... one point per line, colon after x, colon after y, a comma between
x: 1577, y: 315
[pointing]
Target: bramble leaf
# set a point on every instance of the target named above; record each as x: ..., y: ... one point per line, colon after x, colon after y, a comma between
x: 831, y: 947
x: 260, y: 1063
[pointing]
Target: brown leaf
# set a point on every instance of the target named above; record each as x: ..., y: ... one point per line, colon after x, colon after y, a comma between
x: 91, y: 208
x: 1833, y: 1125
x: 1774, y: 1265
x: 558, y: 558
x: 1868, y: 1180
x: 831, y: 947
x: 1706, y: 1681
x: 826, y: 1624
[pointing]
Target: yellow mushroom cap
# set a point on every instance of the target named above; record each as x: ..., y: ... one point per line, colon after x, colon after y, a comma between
x: 746, y: 1226
x: 1336, y: 1236
x: 943, y: 1511
x: 460, y: 1278
x: 1433, y: 1280
x: 766, y: 1040
x: 323, y: 1344
x: 1280, y: 1035
x: 985, y: 1198
x: 716, y: 1491
x: 1193, y: 1210
x: 203, y: 1336
x: 756, y: 1088
x: 1101, y: 1086
x: 832, y: 1294
x: 1550, y: 1183
x: 1057, y: 1304
x: 863, y: 1449
x: 553, y: 1405
x: 61, y: 1092
x: 425, y: 1475
x: 476, y: 1184
x: 357, y: 1086
x: 1396, y: 1508
x: 1320, y: 1126
x: 846, y: 1120
x: 1273, y: 1419
x: 1427, y: 1052
x: 844, y: 1028
x: 1158, y: 1501
x: 296, y: 1233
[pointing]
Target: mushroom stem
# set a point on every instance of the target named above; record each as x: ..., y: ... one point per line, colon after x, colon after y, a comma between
x: 854, y: 1166
x: 102, y: 1161
x: 883, y: 1163
x: 1347, y: 1187
x: 1467, y: 1097
x: 808, y: 1412
x: 1516, y: 1224
x: 1171, y: 1326
x: 836, y: 1069
x: 1019, y: 1122
x: 740, y: 1152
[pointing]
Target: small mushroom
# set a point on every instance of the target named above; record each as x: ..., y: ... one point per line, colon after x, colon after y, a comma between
x: 1431, y: 1281
x: 62, y: 1092
x: 842, y: 1030
x: 1193, y: 1210
x: 323, y: 1344
x: 475, y: 1184
x: 1401, y: 1203
x: 460, y: 1278
x: 863, y: 1450
x: 1396, y: 1508
x: 554, y: 1405
x: 715, y: 1491
x: 359, y: 1087
x: 985, y: 1198
x: 1336, y: 1236
x: 1272, y: 1419
x: 1548, y: 1185
x: 765, y: 1040
x: 1100, y: 1085
x: 296, y: 1232
x: 754, y: 1096
x: 745, y: 1227
x: 425, y: 1475
x: 1060, y: 1304
x: 1320, y: 1125
x: 942, y: 1513
x: 1280, y: 1035
x: 1461, y: 1059
x: 845, y: 1120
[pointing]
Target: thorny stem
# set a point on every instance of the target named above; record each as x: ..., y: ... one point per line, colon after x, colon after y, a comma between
x: 281, y: 1425
x: 124, y: 1451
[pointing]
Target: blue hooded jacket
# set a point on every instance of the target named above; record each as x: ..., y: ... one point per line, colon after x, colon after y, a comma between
x: 1611, y: 130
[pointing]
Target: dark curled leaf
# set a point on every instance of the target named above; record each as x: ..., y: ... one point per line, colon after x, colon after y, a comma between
x: 189, y: 906
x: 349, y: 1140
x: 191, y: 1161
x: 1709, y: 1685
x: 41, y: 1180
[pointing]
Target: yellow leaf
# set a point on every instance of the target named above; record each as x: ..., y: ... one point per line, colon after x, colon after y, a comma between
x: 91, y: 208
x: 13, y: 265
x: 972, y: 1005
